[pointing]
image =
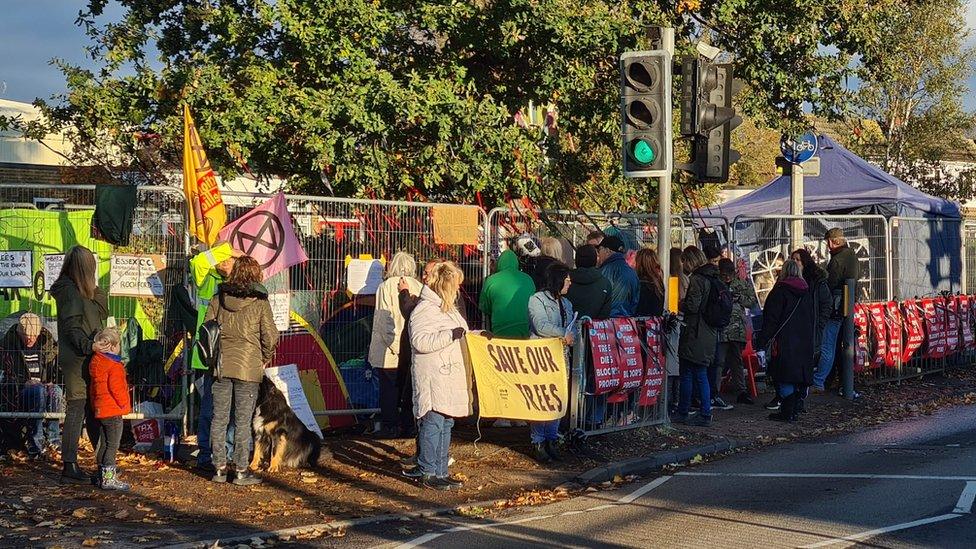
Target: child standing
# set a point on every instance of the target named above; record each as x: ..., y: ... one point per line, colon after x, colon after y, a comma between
x: 110, y: 401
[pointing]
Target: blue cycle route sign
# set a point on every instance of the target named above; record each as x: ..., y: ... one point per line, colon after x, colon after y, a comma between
x: 798, y: 151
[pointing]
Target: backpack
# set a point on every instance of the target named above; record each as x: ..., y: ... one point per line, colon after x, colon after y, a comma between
x: 717, y: 310
x: 208, y: 343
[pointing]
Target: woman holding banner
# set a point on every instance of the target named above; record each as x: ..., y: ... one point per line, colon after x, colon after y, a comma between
x: 550, y: 315
x: 441, y: 387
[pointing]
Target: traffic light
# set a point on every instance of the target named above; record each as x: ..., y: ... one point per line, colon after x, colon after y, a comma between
x: 645, y: 113
x: 708, y: 117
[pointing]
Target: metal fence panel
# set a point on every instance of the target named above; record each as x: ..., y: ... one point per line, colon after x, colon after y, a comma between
x: 927, y: 256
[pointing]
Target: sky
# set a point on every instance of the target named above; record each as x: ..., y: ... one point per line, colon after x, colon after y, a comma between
x: 32, y: 32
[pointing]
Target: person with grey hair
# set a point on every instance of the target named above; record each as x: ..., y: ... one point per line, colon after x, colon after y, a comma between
x: 789, y: 332
x: 28, y: 361
x: 384, y: 344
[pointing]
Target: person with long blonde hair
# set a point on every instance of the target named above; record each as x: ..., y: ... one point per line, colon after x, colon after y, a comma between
x: 441, y: 385
x: 82, y: 312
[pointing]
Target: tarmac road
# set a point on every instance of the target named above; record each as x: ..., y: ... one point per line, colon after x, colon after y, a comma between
x: 907, y: 484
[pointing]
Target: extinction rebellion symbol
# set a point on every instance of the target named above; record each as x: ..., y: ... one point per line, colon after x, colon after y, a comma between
x: 270, y: 234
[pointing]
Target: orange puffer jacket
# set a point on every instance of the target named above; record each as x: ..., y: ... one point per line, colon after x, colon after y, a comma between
x: 108, y: 390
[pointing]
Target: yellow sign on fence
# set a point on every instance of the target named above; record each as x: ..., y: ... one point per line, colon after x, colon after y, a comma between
x: 455, y: 225
x: 519, y: 379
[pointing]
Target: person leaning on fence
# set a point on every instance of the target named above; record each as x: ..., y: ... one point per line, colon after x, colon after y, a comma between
x: 789, y: 323
x: 816, y: 278
x: 441, y: 387
x: 623, y: 280
x: 109, y: 393
x: 248, y: 338
x: 843, y: 265
x: 696, y: 344
x: 82, y: 311
x: 651, y: 302
x: 384, y: 345
x: 590, y: 292
x: 732, y: 339
x: 29, y: 362
x: 550, y: 315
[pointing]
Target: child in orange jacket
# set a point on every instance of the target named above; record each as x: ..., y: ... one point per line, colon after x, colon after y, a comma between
x: 109, y: 397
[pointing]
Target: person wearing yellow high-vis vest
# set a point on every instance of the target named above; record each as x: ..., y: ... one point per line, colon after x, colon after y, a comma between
x: 208, y: 269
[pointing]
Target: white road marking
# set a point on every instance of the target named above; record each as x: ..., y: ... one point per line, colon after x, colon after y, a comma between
x: 871, y: 533
x: 825, y: 475
x: 965, y: 504
x: 626, y: 500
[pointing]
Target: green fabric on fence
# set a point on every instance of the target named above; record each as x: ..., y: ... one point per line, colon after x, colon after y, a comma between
x: 115, y: 207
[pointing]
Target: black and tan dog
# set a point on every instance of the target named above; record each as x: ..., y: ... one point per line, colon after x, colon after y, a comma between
x: 280, y: 438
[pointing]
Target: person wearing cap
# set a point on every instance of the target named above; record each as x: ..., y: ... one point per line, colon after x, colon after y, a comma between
x: 29, y: 362
x: 623, y: 279
x: 590, y: 292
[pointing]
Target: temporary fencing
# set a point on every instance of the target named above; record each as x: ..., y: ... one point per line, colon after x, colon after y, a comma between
x: 927, y: 256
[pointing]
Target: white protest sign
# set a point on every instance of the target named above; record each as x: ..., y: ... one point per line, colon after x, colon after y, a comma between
x: 52, y: 268
x: 363, y: 276
x: 137, y: 275
x: 281, y: 310
x: 16, y: 269
x: 287, y: 381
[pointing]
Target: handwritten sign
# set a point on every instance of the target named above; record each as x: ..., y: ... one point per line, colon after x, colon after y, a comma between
x: 52, y: 268
x: 519, y: 379
x: 363, y: 276
x: 287, y: 380
x: 455, y: 225
x: 281, y: 310
x: 137, y: 275
x: 16, y: 269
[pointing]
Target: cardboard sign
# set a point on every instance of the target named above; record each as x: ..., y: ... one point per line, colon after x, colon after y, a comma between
x: 654, y: 370
x: 281, y: 310
x: 287, y: 380
x: 363, y: 276
x: 519, y: 379
x: 134, y: 275
x: 455, y: 225
x: 913, y: 323
x: 607, y: 375
x: 16, y: 269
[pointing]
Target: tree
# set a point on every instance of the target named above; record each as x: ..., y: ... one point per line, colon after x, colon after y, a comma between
x: 382, y: 96
x: 913, y: 82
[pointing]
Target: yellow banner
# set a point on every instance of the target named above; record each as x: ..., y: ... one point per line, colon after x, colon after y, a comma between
x: 519, y: 379
x: 206, y: 211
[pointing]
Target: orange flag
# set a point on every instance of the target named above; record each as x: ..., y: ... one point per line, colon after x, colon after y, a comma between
x: 206, y: 211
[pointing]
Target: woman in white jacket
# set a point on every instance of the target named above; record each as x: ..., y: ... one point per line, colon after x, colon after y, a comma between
x: 441, y: 383
x: 384, y: 344
x: 550, y: 315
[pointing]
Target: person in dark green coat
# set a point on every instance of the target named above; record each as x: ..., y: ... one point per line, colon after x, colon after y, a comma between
x: 505, y: 299
x: 82, y: 311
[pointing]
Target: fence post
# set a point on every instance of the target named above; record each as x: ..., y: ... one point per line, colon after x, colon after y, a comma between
x: 576, y: 381
x: 850, y: 338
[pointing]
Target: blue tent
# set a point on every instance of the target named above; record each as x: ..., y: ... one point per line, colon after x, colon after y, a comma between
x: 926, y: 254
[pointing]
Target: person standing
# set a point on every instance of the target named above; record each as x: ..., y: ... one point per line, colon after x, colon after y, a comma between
x: 505, y: 299
x: 30, y: 356
x: 441, y: 386
x: 110, y: 401
x: 384, y: 345
x: 82, y: 312
x: 843, y: 265
x: 789, y: 323
x: 248, y: 338
x: 816, y: 278
x: 623, y: 279
x: 590, y: 291
x: 696, y: 344
x: 732, y: 339
x: 407, y: 302
x: 651, y: 302
x: 550, y: 315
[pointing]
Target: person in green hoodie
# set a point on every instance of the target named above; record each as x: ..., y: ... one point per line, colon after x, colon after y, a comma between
x: 505, y: 299
x: 590, y: 291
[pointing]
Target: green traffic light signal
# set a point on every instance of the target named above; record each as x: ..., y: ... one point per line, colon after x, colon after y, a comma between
x: 643, y: 152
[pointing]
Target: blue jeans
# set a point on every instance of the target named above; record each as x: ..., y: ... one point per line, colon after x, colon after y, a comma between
x: 435, y: 443
x: 42, y: 397
x: 785, y: 389
x: 541, y: 431
x: 828, y: 349
x: 694, y: 376
x: 205, y: 455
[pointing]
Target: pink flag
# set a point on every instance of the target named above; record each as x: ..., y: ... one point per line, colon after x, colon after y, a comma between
x: 266, y: 234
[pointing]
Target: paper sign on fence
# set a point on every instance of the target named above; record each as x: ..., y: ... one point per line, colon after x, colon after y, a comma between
x: 363, y: 276
x: 455, y: 225
x: 281, y: 310
x: 287, y: 381
x: 16, y: 269
x: 136, y: 275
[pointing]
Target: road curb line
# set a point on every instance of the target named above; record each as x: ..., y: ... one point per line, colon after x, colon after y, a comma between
x: 644, y: 464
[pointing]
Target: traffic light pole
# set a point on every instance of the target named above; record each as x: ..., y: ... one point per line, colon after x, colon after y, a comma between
x: 663, y: 38
x: 796, y: 206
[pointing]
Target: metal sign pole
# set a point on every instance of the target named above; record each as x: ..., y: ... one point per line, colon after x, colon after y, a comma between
x: 796, y: 206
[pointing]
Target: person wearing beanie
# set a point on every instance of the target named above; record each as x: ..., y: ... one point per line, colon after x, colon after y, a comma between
x: 625, y: 286
x: 590, y: 291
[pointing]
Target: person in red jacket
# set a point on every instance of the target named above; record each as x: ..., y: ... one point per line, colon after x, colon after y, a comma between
x: 109, y: 394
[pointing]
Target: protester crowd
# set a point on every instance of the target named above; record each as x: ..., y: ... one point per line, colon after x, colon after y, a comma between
x: 539, y: 289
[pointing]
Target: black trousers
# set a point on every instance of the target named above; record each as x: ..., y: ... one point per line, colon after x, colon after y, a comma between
x: 109, y: 436
x: 389, y: 398
x: 77, y: 413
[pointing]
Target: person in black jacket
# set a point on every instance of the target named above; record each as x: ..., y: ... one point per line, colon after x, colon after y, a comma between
x: 590, y: 292
x: 29, y: 364
x: 843, y: 265
x: 651, y: 301
x: 789, y: 324
x: 816, y: 278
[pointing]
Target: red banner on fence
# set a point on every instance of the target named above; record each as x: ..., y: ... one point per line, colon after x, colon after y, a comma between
x: 861, y: 350
x: 952, y: 325
x: 653, y: 363
x: 893, y: 323
x: 913, y: 323
x: 933, y: 311
x: 607, y: 374
x: 628, y: 349
x: 879, y: 335
x: 966, y: 321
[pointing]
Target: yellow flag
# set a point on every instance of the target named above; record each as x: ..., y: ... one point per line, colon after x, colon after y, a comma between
x: 206, y: 212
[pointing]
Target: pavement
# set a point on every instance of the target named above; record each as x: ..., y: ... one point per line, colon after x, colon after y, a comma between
x: 908, y: 483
